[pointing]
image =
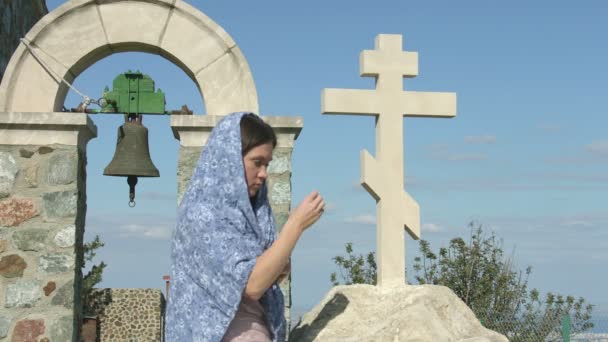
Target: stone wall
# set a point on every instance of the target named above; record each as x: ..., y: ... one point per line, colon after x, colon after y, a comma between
x: 41, y: 231
x: 279, y: 194
x: 130, y: 314
x: 16, y: 19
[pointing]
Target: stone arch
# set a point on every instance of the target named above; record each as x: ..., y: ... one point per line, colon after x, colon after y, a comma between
x: 32, y: 138
x: 81, y: 32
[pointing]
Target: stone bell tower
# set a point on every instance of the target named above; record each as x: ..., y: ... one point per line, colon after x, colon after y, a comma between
x: 43, y: 150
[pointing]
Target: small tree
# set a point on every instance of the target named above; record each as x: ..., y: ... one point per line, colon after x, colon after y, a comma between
x: 486, y: 280
x: 94, y: 276
x: 479, y: 273
x: 355, y: 269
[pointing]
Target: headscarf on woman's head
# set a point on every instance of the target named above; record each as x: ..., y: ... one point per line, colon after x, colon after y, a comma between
x: 220, y: 232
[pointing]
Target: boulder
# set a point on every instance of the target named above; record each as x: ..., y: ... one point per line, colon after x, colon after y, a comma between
x: 404, y: 313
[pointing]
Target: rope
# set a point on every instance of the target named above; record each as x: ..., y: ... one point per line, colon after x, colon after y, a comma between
x: 87, y: 99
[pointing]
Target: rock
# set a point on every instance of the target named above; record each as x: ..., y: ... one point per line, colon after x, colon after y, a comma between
x: 61, y: 330
x: 22, y: 294
x: 31, y: 176
x: 62, y: 168
x: 60, y: 204
x: 12, y: 266
x: 3, y: 244
x: 66, y: 237
x: 280, y: 218
x: 280, y: 192
x: 26, y: 153
x: 30, y: 239
x: 405, y: 313
x: 56, y: 263
x: 49, y: 288
x: 281, y: 163
x: 28, y: 330
x: 45, y: 150
x: 15, y: 211
x: 8, y: 172
x: 65, y: 295
x: 5, y: 324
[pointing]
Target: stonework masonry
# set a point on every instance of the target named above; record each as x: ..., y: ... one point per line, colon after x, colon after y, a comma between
x: 41, y: 232
x: 42, y: 217
x: 130, y: 314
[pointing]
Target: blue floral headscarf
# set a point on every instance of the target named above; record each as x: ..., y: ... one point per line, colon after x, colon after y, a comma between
x: 220, y: 232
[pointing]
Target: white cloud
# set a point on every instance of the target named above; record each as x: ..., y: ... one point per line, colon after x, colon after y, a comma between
x: 443, y: 152
x: 330, y: 207
x: 157, y: 196
x: 591, y: 178
x: 597, y: 152
x: 438, y: 148
x: 145, y: 231
x: 577, y: 223
x: 598, y: 148
x: 466, y: 157
x: 150, y: 227
x: 432, y: 227
x: 362, y: 219
x: 550, y: 127
x: 575, y: 160
x: 548, y: 224
x: 480, y: 139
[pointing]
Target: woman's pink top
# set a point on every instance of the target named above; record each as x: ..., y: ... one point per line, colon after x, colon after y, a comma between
x: 249, y: 323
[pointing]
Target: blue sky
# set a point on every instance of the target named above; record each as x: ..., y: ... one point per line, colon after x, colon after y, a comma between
x: 526, y: 156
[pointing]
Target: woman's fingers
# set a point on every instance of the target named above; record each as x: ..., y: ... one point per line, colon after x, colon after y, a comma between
x: 310, y: 210
x: 313, y: 196
x: 318, y: 204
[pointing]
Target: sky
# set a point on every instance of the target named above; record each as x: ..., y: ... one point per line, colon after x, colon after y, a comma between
x: 526, y: 156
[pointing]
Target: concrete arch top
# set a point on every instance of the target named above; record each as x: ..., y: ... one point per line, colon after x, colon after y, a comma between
x: 80, y: 32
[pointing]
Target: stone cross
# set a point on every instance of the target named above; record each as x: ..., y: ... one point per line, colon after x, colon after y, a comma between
x: 383, y: 176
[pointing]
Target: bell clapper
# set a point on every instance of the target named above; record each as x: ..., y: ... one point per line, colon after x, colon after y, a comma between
x: 132, y: 181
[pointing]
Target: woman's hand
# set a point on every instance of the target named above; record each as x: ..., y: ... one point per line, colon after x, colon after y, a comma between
x: 270, y: 267
x: 308, y: 211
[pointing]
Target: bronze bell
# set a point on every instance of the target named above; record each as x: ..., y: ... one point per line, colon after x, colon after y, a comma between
x: 132, y: 156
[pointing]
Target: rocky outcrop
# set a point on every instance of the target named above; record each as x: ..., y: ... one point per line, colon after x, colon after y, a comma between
x: 405, y: 313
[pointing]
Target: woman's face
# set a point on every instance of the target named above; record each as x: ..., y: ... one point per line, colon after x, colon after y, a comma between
x: 256, y: 167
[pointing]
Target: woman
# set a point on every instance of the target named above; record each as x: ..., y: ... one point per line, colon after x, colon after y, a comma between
x: 226, y: 257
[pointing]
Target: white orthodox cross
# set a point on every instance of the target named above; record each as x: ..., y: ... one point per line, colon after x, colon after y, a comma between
x: 383, y: 176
